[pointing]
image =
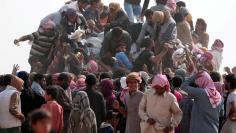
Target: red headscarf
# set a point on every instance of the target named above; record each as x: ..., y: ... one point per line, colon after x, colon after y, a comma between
x: 205, y: 81
x: 162, y: 81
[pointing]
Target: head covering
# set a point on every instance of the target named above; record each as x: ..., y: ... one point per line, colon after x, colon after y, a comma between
x: 115, y: 6
x: 204, y: 81
x: 81, y: 110
x: 92, y: 66
x: 55, y: 76
x: 218, y: 45
x: 184, y: 11
x: 107, y: 87
x: 171, y: 4
x: 25, y: 77
x: 158, y: 17
x: 181, y: 73
x: 133, y: 76
x: 71, y: 12
x: 49, y: 25
x: 144, y: 76
x: 80, y: 83
x: 162, y: 81
x: 206, y: 57
x: 123, y: 82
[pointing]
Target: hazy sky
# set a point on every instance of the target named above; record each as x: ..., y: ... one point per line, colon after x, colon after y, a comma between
x: 21, y: 17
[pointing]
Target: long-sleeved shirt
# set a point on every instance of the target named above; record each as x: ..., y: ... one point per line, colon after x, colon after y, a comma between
x: 37, y: 88
x: 146, y: 28
x: 57, y: 115
x: 163, y: 109
x: 204, y: 118
x: 15, y: 105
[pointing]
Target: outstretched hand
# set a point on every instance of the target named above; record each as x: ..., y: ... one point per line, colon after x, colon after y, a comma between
x: 16, y: 68
x: 16, y: 42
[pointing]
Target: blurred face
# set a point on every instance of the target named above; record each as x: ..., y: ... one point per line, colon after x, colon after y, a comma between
x: 149, y: 20
x: 199, y: 27
x: 133, y: 85
x: 159, y: 90
x: 43, y: 126
x: 43, y: 82
x: 72, y: 18
x: 47, y: 97
x: 64, y: 84
x: 95, y: 5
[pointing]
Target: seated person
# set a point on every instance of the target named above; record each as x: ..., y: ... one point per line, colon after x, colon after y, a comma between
x: 122, y: 58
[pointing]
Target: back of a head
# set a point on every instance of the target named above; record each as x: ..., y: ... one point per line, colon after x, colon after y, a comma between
x: 52, y: 91
x: 148, y: 13
x: 181, y: 4
x: 178, y: 17
x: 116, y: 31
x: 25, y: 77
x: 104, y: 75
x: 1, y: 80
x: 231, y: 79
x: 39, y: 115
x: 63, y: 77
x: 7, y: 79
x: 215, y: 76
x: 38, y: 77
x: 91, y: 80
x: 164, y: 2
x: 176, y: 81
x: 146, y: 42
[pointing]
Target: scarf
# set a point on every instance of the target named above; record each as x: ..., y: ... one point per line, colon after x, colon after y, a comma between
x: 205, y: 81
x: 116, y: 8
x: 162, y: 81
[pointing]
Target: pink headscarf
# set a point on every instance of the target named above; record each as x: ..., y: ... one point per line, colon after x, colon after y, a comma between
x: 205, y: 81
x: 92, y: 66
x: 80, y: 83
x: 162, y: 81
x: 171, y: 4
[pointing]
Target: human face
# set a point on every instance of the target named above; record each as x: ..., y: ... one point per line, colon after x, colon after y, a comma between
x: 159, y: 90
x: 149, y: 20
x: 133, y: 85
x: 42, y: 126
x: 47, y: 97
x: 43, y: 82
x: 72, y: 18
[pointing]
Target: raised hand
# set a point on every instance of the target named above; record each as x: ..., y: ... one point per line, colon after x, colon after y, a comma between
x: 16, y: 68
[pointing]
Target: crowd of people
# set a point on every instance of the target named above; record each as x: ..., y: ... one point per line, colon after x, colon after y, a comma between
x: 102, y: 69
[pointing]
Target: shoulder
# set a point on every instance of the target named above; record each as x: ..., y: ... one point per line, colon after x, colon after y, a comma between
x: 149, y: 92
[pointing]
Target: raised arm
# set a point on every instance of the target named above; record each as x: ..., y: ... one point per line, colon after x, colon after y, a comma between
x: 24, y: 38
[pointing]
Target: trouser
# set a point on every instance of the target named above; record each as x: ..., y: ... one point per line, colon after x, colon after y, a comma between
x: 10, y: 130
x: 133, y: 11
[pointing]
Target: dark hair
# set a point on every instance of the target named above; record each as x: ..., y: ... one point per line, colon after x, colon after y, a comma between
x: 48, y: 79
x: 178, y: 17
x: 52, y: 91
x: 164, y: 2
x: 104, y: 75
x: 181, y: 4
x: 118, y: 74
x: 202, y: 22
x: 2, y: 80
x: 231, y: 79
x: 215, y: 76
x: 90, y: 79
x: 146, y: 42
x: 83, y: 1
x: 7, y: 79
x: 94, y: 1
x: 63, y: 77
x: 176, y: 81
x: 38, y: 115
x: 148, y: 13
x: 25, y: 77
x: 38, y: 77
x: 117, y: 31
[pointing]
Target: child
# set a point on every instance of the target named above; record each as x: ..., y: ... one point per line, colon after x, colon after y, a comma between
x: 41, y: 121
x: 54, y: 108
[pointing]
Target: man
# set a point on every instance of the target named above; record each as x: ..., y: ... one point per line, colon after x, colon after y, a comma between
x: 43, y: 43
x: 161, y: 5
x: 132, y: 100
x: 146, y: 61
x: 92, y: 12
x: 149, y: 27
x: 10, y: 112
x: 96, y: 99
x: 112, y: 40
x: 38, y: 84
x: 159, y: 109
x: 64, y: 98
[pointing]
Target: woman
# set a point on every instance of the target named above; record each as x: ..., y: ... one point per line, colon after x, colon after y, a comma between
x: 82, y: 117
x: 107, y: 91
x: 207, y: 103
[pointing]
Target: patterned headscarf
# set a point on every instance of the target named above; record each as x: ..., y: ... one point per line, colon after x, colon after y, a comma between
x: 205, y: 82
x: 92, y: 66
x: 134, y: 76
x: 218, y: 45
x: 81, y: 112
x: 162, y: 81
